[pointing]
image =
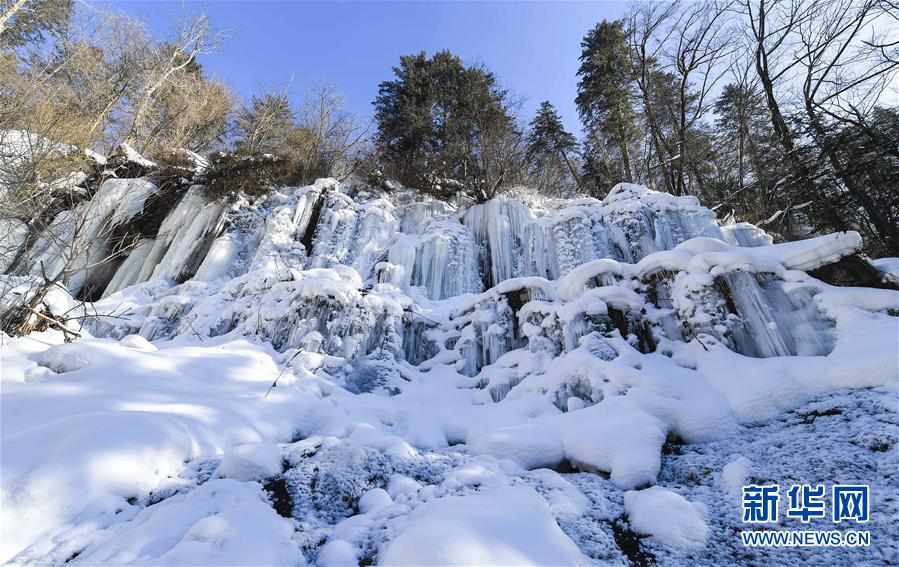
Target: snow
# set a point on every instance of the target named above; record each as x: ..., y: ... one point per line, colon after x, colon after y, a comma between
x: 374, y: 500
x: 134, y: 156
x: 734, y: 476
x: 250, y: 461
x: 745, y: 234
x: 888, y: 266
x: 338, y: 553
x: 222, y: 522
x: 529, y: 446
x: 623, y: 440
x: 667, y: 516
x: 432, y: 365
x: 107, y: 422
x: 506, y: 526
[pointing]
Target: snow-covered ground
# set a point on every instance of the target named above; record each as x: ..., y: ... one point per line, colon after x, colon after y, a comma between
x: 520, y: 382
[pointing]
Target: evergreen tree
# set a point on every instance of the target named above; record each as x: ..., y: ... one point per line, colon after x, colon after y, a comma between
x: 443, y: 126
x: 549, y: 150
x: 404, y: 114
x: 605, y: 104
x: 741, y: 119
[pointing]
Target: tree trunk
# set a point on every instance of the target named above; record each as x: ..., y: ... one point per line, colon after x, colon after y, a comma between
x: 657, y: 140
x: 625, y: 151
x: 571, y: 168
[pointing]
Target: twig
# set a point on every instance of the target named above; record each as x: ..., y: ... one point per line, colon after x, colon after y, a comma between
x: 56, y: 322
x: 191, y: 325
x: 278, y: 377
x: 702, y: 344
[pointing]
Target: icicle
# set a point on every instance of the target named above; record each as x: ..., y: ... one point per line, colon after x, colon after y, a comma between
x: 745, y: 234
x: 498, y: 226
x: 414, y: 217
x: 771, y: 324
x: 12, y: 236
x: 221, y: 259
x: 335, y: 232
x: 279, y: 249
x: 401, y: 261
x: 445, y: 262
x: 375, y: 232
x: 573, y: 240
x: 184, y: 238
x: 675, y: 225
x: 129, y: 272
x: 79, y: 241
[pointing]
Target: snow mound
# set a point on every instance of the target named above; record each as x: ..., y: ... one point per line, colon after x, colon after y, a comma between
x: 374, y: 500
x: 667, y: 516
x: 734, y: 476
x: 251, y: 461
x: 506, y: 526
x: 223, y: 522
x: 614, y: 437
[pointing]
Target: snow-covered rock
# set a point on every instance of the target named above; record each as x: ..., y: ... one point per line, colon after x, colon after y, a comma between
x: 374, y: 500
x: 223, y: 522
x: 507, y: 526
x: 251, y: 461
x: 667, y: 516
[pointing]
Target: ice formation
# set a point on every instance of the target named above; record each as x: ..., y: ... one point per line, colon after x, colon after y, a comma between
x: 399, y: 372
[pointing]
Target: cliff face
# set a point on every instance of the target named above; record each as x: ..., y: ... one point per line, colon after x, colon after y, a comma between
x: 429, y: 361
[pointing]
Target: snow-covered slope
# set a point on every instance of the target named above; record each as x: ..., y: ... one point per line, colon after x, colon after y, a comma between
x: 497, y: 384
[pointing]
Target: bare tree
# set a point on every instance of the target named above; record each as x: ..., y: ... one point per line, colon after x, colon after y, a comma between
x: 701, y: 45
x: 331, y: 134
x: 194, y: 116
x: 846, y: 67
x: 167, y: 69
x: 265, y: 124
x: 772, y: 25
x: 647, y: 34
x: 24, y: 21
x: 103, y: 61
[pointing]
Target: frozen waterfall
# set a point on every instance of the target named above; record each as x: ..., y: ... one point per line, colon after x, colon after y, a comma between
x: 351, y: 271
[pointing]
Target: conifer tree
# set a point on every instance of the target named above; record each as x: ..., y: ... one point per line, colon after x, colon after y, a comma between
x: 550, y: 149
x: 445, y: 127
x: 605, y: 104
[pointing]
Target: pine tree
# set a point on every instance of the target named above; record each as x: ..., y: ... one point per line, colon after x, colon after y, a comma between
x: 550, y: 149
x: 444, y: 126
x: 605, y: 104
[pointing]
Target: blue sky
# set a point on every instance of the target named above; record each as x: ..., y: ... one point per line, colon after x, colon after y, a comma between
x: 531, y: 46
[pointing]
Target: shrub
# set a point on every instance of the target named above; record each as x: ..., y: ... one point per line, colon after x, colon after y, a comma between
x: 229, y: 174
